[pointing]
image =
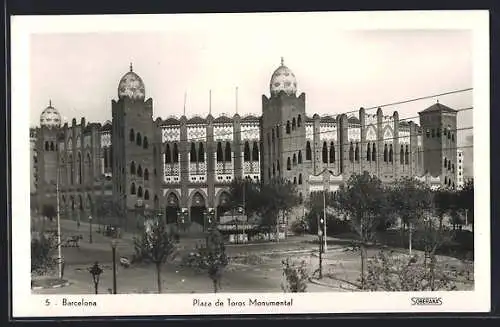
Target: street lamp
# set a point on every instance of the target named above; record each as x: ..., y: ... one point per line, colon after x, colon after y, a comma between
x: 321, y: 222
x: 324, y: 206
x: 113, y: 247
x: 96, y: 272
x: 90, y: 224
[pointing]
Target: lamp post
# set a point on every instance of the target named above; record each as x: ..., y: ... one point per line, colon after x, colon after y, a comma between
x: 324, y: 206
x: 113, y: 247
x: 90, y: 229
x: 320, y: 236
x: 96, y: 272
x: 59, y: 246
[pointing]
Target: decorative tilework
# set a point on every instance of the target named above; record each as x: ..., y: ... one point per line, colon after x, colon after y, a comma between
x: 171, y: 134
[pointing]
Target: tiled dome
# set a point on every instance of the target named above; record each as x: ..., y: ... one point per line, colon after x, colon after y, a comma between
x: 131, y: 86
x: 50, y: 117
x: 283, y: 79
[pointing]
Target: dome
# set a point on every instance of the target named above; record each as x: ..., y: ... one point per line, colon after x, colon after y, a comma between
x: 50, y: 117
x: 283, y: 79
x: 131, y: 86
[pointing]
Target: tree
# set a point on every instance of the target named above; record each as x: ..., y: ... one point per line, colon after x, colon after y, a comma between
x: 43, y: 253
x: 245, y: 193
x: 409, y: 199
x: 433, y: 230
x: 156, y: 245
x: 212, y: 257
x: 277, y: 199
x: 363, y: 199
x: 49, y: 211
x: 108, y: 209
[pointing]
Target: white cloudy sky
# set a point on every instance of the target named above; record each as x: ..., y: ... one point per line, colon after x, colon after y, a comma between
x: 338, y: 70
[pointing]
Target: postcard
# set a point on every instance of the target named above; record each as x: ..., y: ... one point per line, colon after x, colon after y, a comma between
x: 278, y: 163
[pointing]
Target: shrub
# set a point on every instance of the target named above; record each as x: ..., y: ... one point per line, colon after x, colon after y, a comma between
x: 299, y: 227
x: 296, y: 276
x: 392, y: 272
x: 43, y: 258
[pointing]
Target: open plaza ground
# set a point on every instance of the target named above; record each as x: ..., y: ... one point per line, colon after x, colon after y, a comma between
x: 252, y: 267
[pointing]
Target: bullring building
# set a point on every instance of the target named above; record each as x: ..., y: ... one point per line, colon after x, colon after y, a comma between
x: 189, y: 162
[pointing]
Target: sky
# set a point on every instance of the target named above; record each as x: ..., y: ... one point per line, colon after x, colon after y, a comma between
x: 339, y: 70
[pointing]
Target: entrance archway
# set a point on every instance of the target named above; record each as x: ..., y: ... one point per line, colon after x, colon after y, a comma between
x: 172, y: 208
x: 197, y: 209
x: 224, y: 204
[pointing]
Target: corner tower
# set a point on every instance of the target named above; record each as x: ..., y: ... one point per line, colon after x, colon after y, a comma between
x: 439, y: 124
x: 283, y: 129
x: 132, y: 148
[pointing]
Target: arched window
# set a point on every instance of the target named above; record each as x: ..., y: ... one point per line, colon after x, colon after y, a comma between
x: 300, y: 157
x: 168, y: 155
x: 105, y: 154
x: 146, y: 195
x: 453, y: 137
x: 294, y: 161
x: 288, y: 127
x: 453, y: 168
x: 52, y: 146
x: 325, y: 153
x: 445, y: 180
x: 255, y: 152
x: 175, y: 157
x: 47, y: 147
x: 228, y: 153
x: 449, y: 164
x: 445, y: 162
x: 132, y: 188
x: 356, y: 152
x: 294, y: 180
x: 300, y: 179
x: 138, y: 139
x: 438, y: 132
x: 220, y: 154
x: 145, y: 142
x: 201, y: 152
x: 72, y: 169
x: 294, y: 124
x: 278, y: 166
x: 269, y: 172
x: 428, y: 133
x: 132, y: 135
x: 299, y: 122
x: 274, y: 170
x: 288, y: 164
x: 139, y: 191
x: 402, y: 155
x: 89, y: 167
x: 433, y: 133
x: 308, y: 151
x: 332, y: 152
x: 139, y: 171
x: 391, y: 153
x: 79, y: 168
x: 407, y: 155
x: 351, y: 152
x: 385, y: 152
x: 192, y: 154
x: 146, y: 174
x: 278, y: 132
x: 374, y: 152
x: 368, y: 152
x: 132, y: 168
x: 246, y: 152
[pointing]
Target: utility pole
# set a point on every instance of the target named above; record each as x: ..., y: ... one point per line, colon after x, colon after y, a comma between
x: 320, y: 232
x: 324, y: 218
